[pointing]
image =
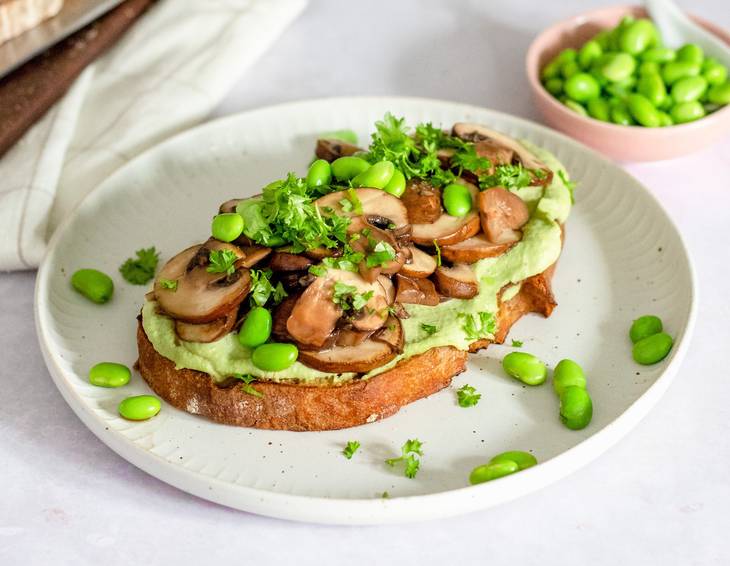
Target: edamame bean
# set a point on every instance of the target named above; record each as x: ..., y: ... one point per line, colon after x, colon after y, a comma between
x: 719, y: 94
x: 523, y: 460
x: 642, y: 110
x: 652, y: 349
x: 665, y: 119
x: 590, y: 51
x: 658, y: 55
x: 554, y: 86
x: 687, y: 112
x: 582, y: 87
x: 689, y: 89
x: 599, y: 109
x: 567, y: 56
x: 140, y: 407
x: 274, y: 356
x: 256, y: 327
x: 93, y: 284
x: 576, y: 407
x: 645, y: 326
x: 227, y: 226
x: 691, y: 52
x: 620, y: 115
x: 576, y: 107
x: 618, y: 66
x: 551, y: 70
x: 376, y: 176
x: 715, y: 73
x: 109, y: 374
x: 637, y: 36
x: 348, y: 167
x: 457, y: 199
x: 490, y: 472
x: 319, y: 174
x: 601, y: 38
x: 675, y: 70
x: 569, y: 69
x: 525, y: 367
x: 652, y: 87
x: 397, y: 184
x: 568, y: 374
x: 648, y: 68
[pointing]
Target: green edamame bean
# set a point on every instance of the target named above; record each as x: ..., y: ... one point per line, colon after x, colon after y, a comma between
x: 652, y: 87
x: 689, y: 89
x: 719, y: 94
x: 319, y: 174
x: 377, y: 176
x: 567, y: 56
x: 645, y: 326
x: 599, y: 109
x: 658, y: 55
x: 617, y: 91
x: 687, y: 112
x: 227, y: 226
x: 93, y: 284
x: 490, y: 472
x: 576, y: 107
x: 691, y: 52
x: 569, y: 69
x: 652, y: 349
x: 618, y: 66
x: 140, y: 407
x: 554, y: 86
x: 109, y: 374
x: 665, y: 119
x: 675, y: 70
x: 620, y: 115
x: 568, y: 374
x: 397, y: 184
x: 525, y: 367
x: 590, y: 51
x: 601, y: 38
x: 348, y: 167
x: 576, y: 407
x: 523, y: 460
x: 256, y: 327
x: 457, y: 199
x: 551, y: 70
x: 715, y: 73
x: 648, y: 68
x: 643, y: 111
x: 637, y: 36
x: 274, y: 356
x: 582, y: 87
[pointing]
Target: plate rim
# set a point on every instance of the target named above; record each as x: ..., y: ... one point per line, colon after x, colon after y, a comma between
x: 361, y: 510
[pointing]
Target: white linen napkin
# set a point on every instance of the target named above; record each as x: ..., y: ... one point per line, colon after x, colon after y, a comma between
x: 166, y: 74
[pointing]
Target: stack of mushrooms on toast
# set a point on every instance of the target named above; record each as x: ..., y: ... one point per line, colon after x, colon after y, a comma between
x: 332, y: 300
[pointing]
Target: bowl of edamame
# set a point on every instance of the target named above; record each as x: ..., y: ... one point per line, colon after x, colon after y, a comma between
x: 606, y: 79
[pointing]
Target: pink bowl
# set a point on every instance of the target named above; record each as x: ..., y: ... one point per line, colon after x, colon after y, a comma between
x: 624, y: 143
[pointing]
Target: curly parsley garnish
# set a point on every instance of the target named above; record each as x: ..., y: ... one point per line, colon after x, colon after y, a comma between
x: 170, y: 284
x: 517, y: 343
x: 509, y: 177
x: 466, y: 159
x: 382, y: 254
x: 350, y: 449
x: 429, y: 329
x: 467, y: 396
x: 262, y: 289
x: 142, y: 269
x: 409, y: 456
x: 221, y: 261
x: 478, y: 326
x: 246, y: 385
x: 347, y: 297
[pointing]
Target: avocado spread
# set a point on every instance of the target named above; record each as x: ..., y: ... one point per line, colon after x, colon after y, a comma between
x: 539, y: 248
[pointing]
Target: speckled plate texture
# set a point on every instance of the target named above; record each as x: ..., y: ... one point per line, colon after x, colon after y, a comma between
x: 623, y: 257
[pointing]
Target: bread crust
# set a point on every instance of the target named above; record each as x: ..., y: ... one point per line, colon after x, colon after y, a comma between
x: 329, y: 407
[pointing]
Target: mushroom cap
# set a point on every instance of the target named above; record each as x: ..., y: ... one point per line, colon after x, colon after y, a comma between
x: 422, y: 201
x: 472, y: 250
x: 376, y: 204
x: 416, y: 291
x: 421, y: 264
x: 458, y: 282
x: 206, y: 332
x: 476, y: 132
x: 502, y: 214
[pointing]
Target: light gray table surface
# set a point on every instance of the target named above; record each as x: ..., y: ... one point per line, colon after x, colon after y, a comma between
x: 661, y: 496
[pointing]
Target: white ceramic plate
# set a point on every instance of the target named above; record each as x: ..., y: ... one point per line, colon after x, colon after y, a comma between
x: 623, y: 257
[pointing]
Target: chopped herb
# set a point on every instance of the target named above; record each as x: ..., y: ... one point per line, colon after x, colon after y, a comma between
x: 517, y: 343
x: 347, y: 297
x: 354, y: 200
x: 262, y: 289
x: 429, y: 329
x: 385, y: 495
x: 478, y: 326
x: 409, y: 452
x: 246, y: 385
x: 142, y: 269
x: 570, y: 185
x: 351, y: 448
x: 383, y: 253
x: 318, y: 270
x: 467, y: 396
x: 466, y: 159
x: 170, y: 284
x: 438, y: 253
x: 222, y: 261
x: 346, y: 205
x: 507, y: 176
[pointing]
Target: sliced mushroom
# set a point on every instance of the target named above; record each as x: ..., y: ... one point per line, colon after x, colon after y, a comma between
x: 447, y: 229
x: 330, y: 149
x: 201, y: 296
x: 392, y: 333
x: 207, y: 332
x: 318, y: 254
x: 476, y: 133
x: 444, y: 156
x: 350, y: 337
x: 416, y: 291
x: 495, y: 152
x: 253, y: 255
x: 368, y: 238
x: 362, y: 358
x: 502, y: 215
x: 421, y: 264
x: 285, y: 261
x: 422, y: 201
x: 229, y: 205
x: 376, y: 311
x: 458, y: 282
x: 377, y: 207
x: 472, y: 250
x: 280, y: 317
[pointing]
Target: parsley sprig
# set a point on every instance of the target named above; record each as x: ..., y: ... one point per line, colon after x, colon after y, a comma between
x: 467, y: 396
x: 246, y: 385
x: 429, y: 329
x: 347, y: 297
x: 350, y: 449
x: 262, y: 289
x: 517, y: 343
x: 479, y: 325
x: 169, y: 284
x: 382, y: 254
x: 141, y: 269
x: 510, y: 177
x: 221, y: 261
x: 409, y: 456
